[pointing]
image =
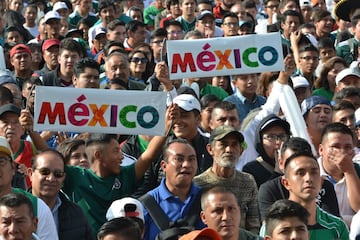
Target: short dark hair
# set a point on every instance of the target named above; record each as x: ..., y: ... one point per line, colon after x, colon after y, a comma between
x: 292, y: 13
x: 225, y: 105
x: 249, y: 4
x: 72, y: 46
x: 133, y: 25
x: 231, y: 15
x: 303, y: 153
x: 207, y: 99
x: 104, y: 4
x: 354, y: 20
x: 122, y: 226
x: 110, y: 44
x: 79, y: 66
x: 172, y: 23
x: 5, y: 95
x: 320, y: 15
x: 343, y: 105
x: 308, y: 48
x: 296, y: 144
x: 100, y: 138
x: 170, y: 142
x: 326, y: 43
x: 347, y: 92
x: 114, y: 23
x: 336, y: 128
x: 13, y: 200
x: 281, y: 210
x: 159, y: 32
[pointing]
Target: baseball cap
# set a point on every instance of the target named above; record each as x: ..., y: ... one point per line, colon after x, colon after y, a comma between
x: 51, y: 15
x: 125, y: 207
x: 60, y: 5
x: 305, y: 3
x: 203, y: 14
x: 299, y: 81
x: 5, y: 147
x: 19, y: 48
x: 205, y: 232
x: 311, y: 102
x: 273, y: 120
x: 49, y: 43
x: 187, y: 102
x: 73, y: 32
x: 9, y: 108
x: 345, y: 73
x: 98, y: 31
x: 222, y: 131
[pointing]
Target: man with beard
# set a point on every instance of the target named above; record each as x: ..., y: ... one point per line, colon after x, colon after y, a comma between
x: 225, y: 146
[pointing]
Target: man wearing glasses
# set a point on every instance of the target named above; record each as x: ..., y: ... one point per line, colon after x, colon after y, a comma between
x: 47, y: 175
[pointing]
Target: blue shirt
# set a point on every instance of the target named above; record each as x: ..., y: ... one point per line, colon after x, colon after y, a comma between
x: 172, y: 206
x: 243, y: 105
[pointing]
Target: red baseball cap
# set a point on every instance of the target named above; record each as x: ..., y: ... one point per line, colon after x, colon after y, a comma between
x: 19, y: 48
x: 49, y: 43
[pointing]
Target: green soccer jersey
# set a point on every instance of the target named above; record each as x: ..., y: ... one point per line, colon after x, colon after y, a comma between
x: 95, y: 194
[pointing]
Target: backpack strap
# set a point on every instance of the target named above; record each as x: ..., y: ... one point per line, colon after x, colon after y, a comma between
x: 157, y: 214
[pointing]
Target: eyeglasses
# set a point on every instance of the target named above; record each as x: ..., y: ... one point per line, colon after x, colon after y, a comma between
x: 231, y: 24
x: 274, y: 137
x: 4, y: 160
x: 47, y: 171
x: 308, y: 58
x: 136, y: 60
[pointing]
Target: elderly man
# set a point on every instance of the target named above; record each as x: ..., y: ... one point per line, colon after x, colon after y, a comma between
x: 225, y: 146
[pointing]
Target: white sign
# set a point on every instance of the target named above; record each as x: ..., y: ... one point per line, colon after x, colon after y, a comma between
x: 99, y: 110
x: 223, y: 56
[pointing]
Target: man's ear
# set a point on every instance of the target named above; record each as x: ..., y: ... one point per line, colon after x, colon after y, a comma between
x: 203, y: 218
x: 285, y: 183
x: 74, y: 80
x: 209, y: 149
x: 163, y: 165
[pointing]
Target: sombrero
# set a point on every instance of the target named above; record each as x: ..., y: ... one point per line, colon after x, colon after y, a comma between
x: 345, y: 7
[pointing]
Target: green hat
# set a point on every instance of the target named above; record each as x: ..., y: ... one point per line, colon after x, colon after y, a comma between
x: 222, y: 131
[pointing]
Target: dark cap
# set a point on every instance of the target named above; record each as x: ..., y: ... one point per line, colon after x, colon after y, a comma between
x: 273, y: 120
x: 9, y: 108
x: 203, y: 14
x: 222, y: 131
x: 311, y: 102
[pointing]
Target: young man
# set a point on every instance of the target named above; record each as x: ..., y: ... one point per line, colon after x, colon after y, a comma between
x: 20, y: 59
x: 245, y: 98
x: 302, y: 179
x: 120, y: 228
x: 136, y: 33
x: 157, y: 44
x: 82, y: 12
x: 17, y: 217
x: 69, y: 53
x: 290, y: 22
x: 48, y: 170
x: 324, y: 25
x: 106, y: 177
x: 230, y: 24
x: 187, y: 18
x: 308, y: 62
x: 52, y: 25
x: 225, y: 146
x: 286, y: 220
x: 86, y: 74
x: 344, y: 112
x: 336, y: 164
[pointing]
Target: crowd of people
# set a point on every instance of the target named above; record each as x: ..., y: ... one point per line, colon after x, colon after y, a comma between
x: 261, y: 155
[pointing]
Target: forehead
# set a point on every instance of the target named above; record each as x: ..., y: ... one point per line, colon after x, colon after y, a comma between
x: 49, y: 160
x: 17, y: 212
x: 230, y: 18
x: 289, y: 222
x: 309, y: 53
x: 224, y: 199
x: 180, y: 148
x: 337, y: 137
x: 303, y: 162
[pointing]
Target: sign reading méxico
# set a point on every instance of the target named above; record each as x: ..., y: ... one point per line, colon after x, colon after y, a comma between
x: 222, y: 56
x: 99, y: 110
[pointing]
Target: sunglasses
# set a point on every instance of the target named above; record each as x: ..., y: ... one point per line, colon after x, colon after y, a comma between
x: 142, y: 60
x: 47, y: 171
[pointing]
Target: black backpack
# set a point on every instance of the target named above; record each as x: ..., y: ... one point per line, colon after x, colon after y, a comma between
x: 172, y: 230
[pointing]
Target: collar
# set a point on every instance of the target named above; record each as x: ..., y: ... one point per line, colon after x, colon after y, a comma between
x: 165, y: 194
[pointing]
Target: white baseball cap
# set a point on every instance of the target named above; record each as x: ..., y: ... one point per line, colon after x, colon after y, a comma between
x: 125, y: 207
x: 60, y: 5
x: 299, y: 81
x: 187, y: 102
x: 345, y: 73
